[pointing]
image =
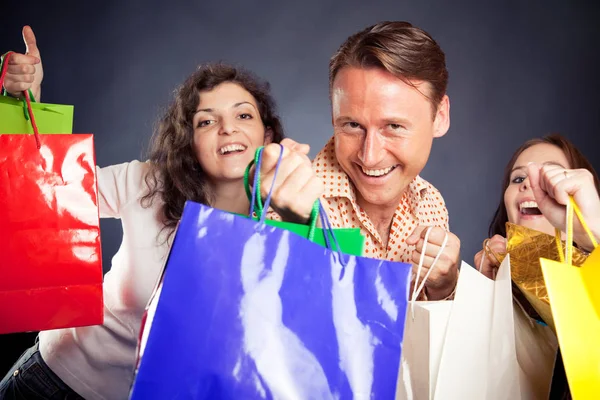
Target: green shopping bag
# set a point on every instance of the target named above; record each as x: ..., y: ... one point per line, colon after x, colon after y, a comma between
x: 350, y: 240
x: 50, y: 118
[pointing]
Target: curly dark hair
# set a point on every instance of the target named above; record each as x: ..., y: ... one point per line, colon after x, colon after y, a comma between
x: 576, y: 161
x: 175, y: 173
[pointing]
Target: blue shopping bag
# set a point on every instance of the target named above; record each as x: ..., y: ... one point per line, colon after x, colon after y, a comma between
x: 251, y: 311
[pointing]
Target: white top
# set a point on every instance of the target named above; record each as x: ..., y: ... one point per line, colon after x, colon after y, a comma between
x: 98, y: 361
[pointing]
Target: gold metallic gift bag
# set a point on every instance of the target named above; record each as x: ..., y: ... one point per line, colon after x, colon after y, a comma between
x: 526, y: 247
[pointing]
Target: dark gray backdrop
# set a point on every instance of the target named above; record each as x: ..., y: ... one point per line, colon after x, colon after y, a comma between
x: 517, y: 70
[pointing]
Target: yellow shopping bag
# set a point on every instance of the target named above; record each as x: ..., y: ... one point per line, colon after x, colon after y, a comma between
x: 574, y: 294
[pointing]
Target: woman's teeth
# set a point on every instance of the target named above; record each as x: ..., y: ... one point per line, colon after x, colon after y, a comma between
x: 529, y: 208
x: 231, y: 148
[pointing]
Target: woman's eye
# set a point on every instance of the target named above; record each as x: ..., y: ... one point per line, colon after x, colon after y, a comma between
x: 518, y: 179
x: 204, y: 123
x: 246, y: 116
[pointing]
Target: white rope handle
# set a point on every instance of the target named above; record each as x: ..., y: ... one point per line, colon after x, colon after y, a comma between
x: 418, y: 287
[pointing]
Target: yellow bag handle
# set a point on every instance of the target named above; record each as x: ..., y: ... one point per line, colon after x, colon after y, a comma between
x: 568, y: 258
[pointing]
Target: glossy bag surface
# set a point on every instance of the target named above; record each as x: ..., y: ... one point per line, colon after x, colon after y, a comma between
x: 51, y: 266
x: 252, y: 311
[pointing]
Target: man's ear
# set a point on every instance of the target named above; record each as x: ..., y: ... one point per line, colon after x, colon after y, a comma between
x: 441, y: 123
x: 268, y: 135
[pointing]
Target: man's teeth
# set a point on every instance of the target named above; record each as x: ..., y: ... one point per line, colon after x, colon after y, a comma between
x: 377, y: 172
x: 231, y: 148
x: 527, y: 204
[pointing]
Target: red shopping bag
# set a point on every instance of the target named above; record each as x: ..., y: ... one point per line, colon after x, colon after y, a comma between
x: 50, y: 256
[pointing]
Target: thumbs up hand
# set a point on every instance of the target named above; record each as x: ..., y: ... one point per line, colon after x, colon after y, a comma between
x: 25, y: 70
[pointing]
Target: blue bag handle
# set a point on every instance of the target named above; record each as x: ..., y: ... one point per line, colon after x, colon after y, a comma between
x: 327, y: 228
x: 318, y: 208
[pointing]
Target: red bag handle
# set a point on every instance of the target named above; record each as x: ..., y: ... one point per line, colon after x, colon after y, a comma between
x: 36, y: 133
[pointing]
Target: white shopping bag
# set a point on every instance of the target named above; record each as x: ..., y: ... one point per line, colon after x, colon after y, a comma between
x: 424, y: 334
x: 463, y: 349
x: 478, y: 358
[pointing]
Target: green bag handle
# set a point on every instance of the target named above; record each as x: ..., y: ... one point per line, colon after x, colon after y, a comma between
x: 259, y: 209
x: 259, y: 203
x: 5, y: 93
